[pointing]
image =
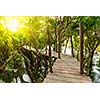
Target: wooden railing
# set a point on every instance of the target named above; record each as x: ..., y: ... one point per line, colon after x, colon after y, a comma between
x: 36, y: 65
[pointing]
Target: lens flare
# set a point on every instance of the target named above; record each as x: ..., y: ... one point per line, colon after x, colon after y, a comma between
x: 13, y: 25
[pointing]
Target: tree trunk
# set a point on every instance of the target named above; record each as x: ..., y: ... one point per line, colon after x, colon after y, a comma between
x: 66, y: 45
x: 49, y: 44
x: 59, y: 45
x: 77, y: 55
x: 90, y: 68
x: 46, y: 50
x: 81, y: 48
x: 72, y: 48
x: 55, y: 38
x: 56, y: 42
x: 59, y: 39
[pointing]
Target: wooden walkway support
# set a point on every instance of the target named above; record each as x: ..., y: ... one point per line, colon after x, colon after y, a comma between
x: 66, y: 70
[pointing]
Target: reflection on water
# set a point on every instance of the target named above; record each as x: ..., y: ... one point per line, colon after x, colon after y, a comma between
x: 95, y: 68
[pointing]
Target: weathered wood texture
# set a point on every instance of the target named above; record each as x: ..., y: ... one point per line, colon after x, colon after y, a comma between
x: 66, y: 70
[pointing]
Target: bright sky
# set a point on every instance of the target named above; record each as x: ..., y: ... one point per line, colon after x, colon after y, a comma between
x: 11, y: 24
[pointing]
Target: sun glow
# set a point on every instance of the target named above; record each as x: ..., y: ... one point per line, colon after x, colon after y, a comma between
x: 13, y: 25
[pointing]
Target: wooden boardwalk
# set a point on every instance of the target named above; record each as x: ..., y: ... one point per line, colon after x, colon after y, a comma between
x: 66, y: 70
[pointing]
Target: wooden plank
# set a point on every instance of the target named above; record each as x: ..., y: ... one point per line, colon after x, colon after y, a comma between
x: 66, y: 70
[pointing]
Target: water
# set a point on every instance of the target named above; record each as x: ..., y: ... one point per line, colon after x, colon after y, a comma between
x: 95, y: 68
x: 26, y: 78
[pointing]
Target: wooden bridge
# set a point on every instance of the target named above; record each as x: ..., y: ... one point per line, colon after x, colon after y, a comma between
x: 66, y: 70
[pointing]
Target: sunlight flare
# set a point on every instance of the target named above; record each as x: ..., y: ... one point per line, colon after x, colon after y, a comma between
x: 13, y: 25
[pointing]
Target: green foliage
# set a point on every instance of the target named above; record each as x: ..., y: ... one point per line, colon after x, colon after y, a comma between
x: 98, y: 48
x: 32, y: 31
x: 10, y: 41
x: 7, y: 78
x: 42, y: 40
x: 98, y: 64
